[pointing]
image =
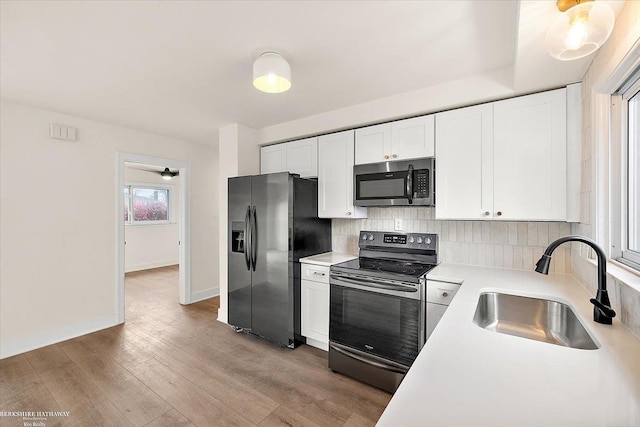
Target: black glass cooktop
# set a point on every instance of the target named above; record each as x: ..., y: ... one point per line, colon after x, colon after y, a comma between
x: 377, y: 267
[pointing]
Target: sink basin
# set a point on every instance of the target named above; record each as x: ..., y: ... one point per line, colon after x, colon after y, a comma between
x: 533, y: 318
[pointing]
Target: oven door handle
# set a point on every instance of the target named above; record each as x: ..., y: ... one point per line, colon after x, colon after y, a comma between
x: 372, y: 283
x: 368, y: 361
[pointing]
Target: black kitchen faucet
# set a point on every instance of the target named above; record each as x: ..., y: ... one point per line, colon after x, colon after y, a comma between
x: 602, y: 312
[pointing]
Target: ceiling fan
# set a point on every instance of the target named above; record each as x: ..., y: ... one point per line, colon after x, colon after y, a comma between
x: 167, y: 174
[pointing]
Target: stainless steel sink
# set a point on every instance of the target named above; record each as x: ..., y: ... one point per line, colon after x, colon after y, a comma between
x: 533, y: 318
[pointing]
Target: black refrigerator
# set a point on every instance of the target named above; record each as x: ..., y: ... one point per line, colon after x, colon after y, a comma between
x: 273, y: 222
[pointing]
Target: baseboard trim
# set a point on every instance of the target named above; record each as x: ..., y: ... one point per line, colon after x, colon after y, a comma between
x: 150, y: 265
x: 54, y: 336
x: 222, y: 315
x: 203, y: 295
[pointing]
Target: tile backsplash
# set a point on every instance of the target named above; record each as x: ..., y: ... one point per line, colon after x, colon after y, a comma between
x: 507, y: 244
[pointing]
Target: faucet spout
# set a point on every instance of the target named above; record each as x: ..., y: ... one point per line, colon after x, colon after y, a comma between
x: 602, y: 311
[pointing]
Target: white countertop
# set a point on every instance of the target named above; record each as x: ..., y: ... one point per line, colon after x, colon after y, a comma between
x: 327, y: 259
x: 468, y: 376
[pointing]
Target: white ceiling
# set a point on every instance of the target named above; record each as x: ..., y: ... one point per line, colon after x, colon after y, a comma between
x: 183, y: 69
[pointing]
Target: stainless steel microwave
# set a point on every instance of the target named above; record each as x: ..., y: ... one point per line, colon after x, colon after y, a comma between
x: 402, y: 183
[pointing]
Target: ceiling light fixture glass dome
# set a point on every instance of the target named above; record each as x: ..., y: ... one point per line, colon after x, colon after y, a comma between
x: 580, y: 30
x: 271, y: 73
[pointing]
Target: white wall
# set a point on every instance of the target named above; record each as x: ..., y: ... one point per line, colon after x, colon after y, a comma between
x: 155, y: 245
x: 492, y: 85
x: 58, y: 236
x: 597, y: 144
x: 239, y: 155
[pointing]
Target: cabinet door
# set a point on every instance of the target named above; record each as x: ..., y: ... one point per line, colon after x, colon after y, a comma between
x: 464, y: 163
x: 273, y: 159
x: 315, y: 311
x: 302, y: 157
x: 530, y: 157
x: 413, y: 138
x: 373, y: 144
x: 335, y: 177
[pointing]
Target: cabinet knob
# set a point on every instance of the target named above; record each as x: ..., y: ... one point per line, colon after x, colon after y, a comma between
x: 386, y: 156
x: 394, y: 156
x: 487, y: 213
x: 348, y: 213
x: 445, y: 294
x: 499, y: 213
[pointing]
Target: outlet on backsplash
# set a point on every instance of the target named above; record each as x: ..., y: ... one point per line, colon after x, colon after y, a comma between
x: 397, y: 225
x: 506, y: 244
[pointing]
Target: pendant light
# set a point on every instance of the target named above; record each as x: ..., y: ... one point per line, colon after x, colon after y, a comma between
x: 271, y: 73
x: 580, y: 30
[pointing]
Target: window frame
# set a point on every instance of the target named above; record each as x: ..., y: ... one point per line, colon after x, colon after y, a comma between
x: 146, y: 186
x: 620, y: 173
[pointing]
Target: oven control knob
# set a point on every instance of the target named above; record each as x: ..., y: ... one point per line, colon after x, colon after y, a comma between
x: 371, y: 237
x: 419, y: 240
x: 427, y: 240
x: 364, y: 237
x: 411, y: 239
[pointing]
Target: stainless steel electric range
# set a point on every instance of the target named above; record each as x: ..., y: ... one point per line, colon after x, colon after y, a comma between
x: 378, y: 306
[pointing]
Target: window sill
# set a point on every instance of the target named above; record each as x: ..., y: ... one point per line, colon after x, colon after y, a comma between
x: 622, y: 273
x: 154, y: 224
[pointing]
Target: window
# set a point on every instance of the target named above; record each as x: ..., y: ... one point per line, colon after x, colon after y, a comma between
x: 146, y: 205
x: 629, y: 96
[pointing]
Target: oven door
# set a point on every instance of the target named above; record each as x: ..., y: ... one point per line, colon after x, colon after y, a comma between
x: 377, y: 317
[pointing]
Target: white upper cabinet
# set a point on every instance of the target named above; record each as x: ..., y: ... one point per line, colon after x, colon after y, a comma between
x: 401, y: 140
x: 413, y: 138
x: 335, y: 177
x: 299, y: 157
x: 504, y: 160
x: 373, y: 144
x: 273, y: 159
x: 464, y: 156
x: 530, y: 157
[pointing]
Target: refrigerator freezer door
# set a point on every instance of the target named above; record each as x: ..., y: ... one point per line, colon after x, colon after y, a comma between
x: 238, y: 247
x: 272, y: 282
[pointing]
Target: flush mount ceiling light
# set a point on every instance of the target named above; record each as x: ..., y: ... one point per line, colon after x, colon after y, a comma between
x: 166, y: 174
x: 580, y: 30
x: 271, y: 73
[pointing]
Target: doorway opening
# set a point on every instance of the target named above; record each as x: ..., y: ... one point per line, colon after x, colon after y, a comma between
x: 152, y: 225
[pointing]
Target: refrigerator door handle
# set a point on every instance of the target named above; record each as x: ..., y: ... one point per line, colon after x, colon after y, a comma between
x: 254, y: 240
x: 247, y: 238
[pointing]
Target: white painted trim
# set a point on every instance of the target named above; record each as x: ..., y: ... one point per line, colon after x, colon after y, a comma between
x: 601, y: 112
x: 574, y: 150
x: 150, y: 265
x: 222, y: 315
x: 184, y: 228
x: 53, y: 336
x: 624, y: 61
x: 206, y: 294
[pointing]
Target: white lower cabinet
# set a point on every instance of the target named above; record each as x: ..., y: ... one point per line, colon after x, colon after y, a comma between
x: 315, y: 305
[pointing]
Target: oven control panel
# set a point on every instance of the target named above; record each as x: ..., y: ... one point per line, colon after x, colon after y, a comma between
x: 383, y: 239
x: 400, y: 239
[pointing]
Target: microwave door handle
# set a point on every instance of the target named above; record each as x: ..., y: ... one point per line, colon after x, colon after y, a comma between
x: 410, y: 185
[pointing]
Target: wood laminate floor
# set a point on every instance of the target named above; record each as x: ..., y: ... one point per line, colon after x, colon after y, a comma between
x: 173, y: 365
